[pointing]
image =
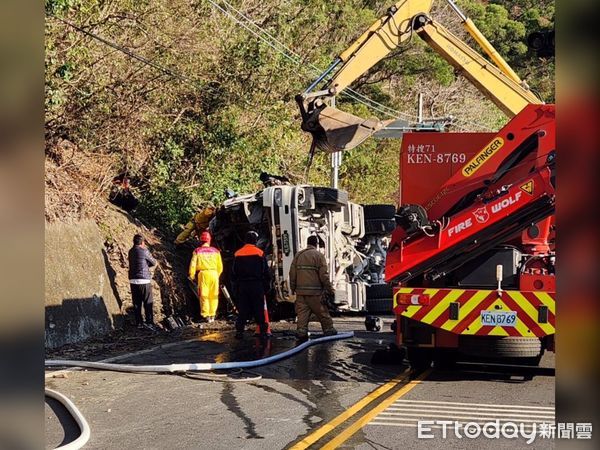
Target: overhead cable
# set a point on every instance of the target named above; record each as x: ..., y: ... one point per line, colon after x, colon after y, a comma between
x: 291, y: 55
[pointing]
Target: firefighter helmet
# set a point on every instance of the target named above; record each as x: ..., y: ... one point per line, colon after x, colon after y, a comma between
x: 205, y: 237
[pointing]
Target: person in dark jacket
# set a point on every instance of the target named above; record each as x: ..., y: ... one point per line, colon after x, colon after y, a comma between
x: 140, y: 280
x: 251, y: 280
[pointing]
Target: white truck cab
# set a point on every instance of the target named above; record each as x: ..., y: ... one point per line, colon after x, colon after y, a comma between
x: 297, y: 212
x: 284, y: 216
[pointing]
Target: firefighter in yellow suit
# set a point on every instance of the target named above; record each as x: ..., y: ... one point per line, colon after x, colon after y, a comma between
x: 207, y: 265
x: 196, y: 225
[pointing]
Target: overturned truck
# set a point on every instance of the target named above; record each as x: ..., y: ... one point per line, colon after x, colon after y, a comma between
x: 353, y: 238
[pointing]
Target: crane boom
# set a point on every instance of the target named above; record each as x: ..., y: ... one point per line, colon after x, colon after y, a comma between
x: 506, y: 93
x: 335, y: 130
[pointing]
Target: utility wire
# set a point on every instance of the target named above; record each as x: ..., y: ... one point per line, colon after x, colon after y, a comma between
x: 195, y: 83
x: 297, y: 59
x: 291, y: 55
x: 126, y: 51
x: 286, y: 51
x: 164, y: 70
x: 273, y: 43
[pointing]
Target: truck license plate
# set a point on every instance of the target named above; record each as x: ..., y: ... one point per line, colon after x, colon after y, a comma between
x: 499, y: 318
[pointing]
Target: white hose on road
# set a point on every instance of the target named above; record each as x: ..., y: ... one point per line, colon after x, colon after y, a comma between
x: 81, y: 422
x: 194, y: 367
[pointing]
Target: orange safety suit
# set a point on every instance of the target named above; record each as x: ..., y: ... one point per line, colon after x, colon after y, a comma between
x: 206, y: 263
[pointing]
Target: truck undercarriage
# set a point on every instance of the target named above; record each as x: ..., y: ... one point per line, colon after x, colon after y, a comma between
x: 353, y: 238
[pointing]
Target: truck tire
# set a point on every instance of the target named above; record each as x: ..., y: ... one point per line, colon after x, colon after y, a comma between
x: 392, y: 355
x: 380, y: 306
x: 379, y: 299
x: 444, y: 358
x: 383, y: 290
x: 420, y: 359
x: 379, y: 226
x: 330, y: 197
x: 379, y: 212
x: 519, y: 350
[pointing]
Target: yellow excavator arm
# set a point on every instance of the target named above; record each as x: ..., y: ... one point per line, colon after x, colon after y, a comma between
x: 335, y: 130
x: 508, y: 94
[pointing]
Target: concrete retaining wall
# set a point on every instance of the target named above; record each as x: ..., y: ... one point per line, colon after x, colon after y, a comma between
x: 80, y: 296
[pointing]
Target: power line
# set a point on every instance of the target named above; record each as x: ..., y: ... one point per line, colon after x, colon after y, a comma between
x: 146, y: 61
x: 258, y: 35
x: 195, y: 83
x: 126, y: 51
x: 163, y: 69
x: 297, y: 59
x: 282, y: 49
x: 294, y: 57
x: 170, y: 72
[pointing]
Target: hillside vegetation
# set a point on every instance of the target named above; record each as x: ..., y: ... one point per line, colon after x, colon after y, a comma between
x: 192, y: 101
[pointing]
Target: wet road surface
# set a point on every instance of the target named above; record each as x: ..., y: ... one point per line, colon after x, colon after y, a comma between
x: 293, y: 399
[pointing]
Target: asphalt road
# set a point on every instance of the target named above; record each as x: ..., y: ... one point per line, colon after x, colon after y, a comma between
x: 295, y: 400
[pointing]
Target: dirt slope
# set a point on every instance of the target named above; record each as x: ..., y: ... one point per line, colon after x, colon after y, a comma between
x: 86, y: 253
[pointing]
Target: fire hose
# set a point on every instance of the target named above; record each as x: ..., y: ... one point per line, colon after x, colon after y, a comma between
x: 84, y: 436
x: 194, y: 367
x: 164, y: 368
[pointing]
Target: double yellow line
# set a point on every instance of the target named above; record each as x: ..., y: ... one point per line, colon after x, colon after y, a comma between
x: 348, y: 432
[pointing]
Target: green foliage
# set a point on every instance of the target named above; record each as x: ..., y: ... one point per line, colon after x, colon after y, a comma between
x: 506, y: 24
x: 233, y: 115
x: 167, y: 207
x: 60, y: 7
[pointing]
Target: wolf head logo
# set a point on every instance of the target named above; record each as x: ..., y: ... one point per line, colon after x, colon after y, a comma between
x: 481, y: 214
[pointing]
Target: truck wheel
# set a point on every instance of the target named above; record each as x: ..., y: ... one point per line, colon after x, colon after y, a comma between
x: 379, y: 226
x: 393, y: 355
x: 518, y: 350
x: 379, y: 212
x: 379, y: 306
x: 382, y: 290
x: 444, y: 359
x: 379, y: 299
x: 330, y: 197
x: 419, y: 358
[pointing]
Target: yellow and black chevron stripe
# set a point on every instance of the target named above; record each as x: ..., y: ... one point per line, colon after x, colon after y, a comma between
x: 472, y: 302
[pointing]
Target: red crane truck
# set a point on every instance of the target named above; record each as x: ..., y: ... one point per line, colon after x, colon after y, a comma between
x: 472, y: 258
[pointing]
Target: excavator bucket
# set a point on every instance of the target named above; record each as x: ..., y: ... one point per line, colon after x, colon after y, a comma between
x: 334, y: 130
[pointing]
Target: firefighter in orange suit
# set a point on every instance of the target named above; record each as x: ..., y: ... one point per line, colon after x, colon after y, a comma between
x: 251, y: 279
x: 207, y: 265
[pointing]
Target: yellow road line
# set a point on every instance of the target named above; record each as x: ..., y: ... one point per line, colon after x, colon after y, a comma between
x: 352, y: 429
x: 322, y: 431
